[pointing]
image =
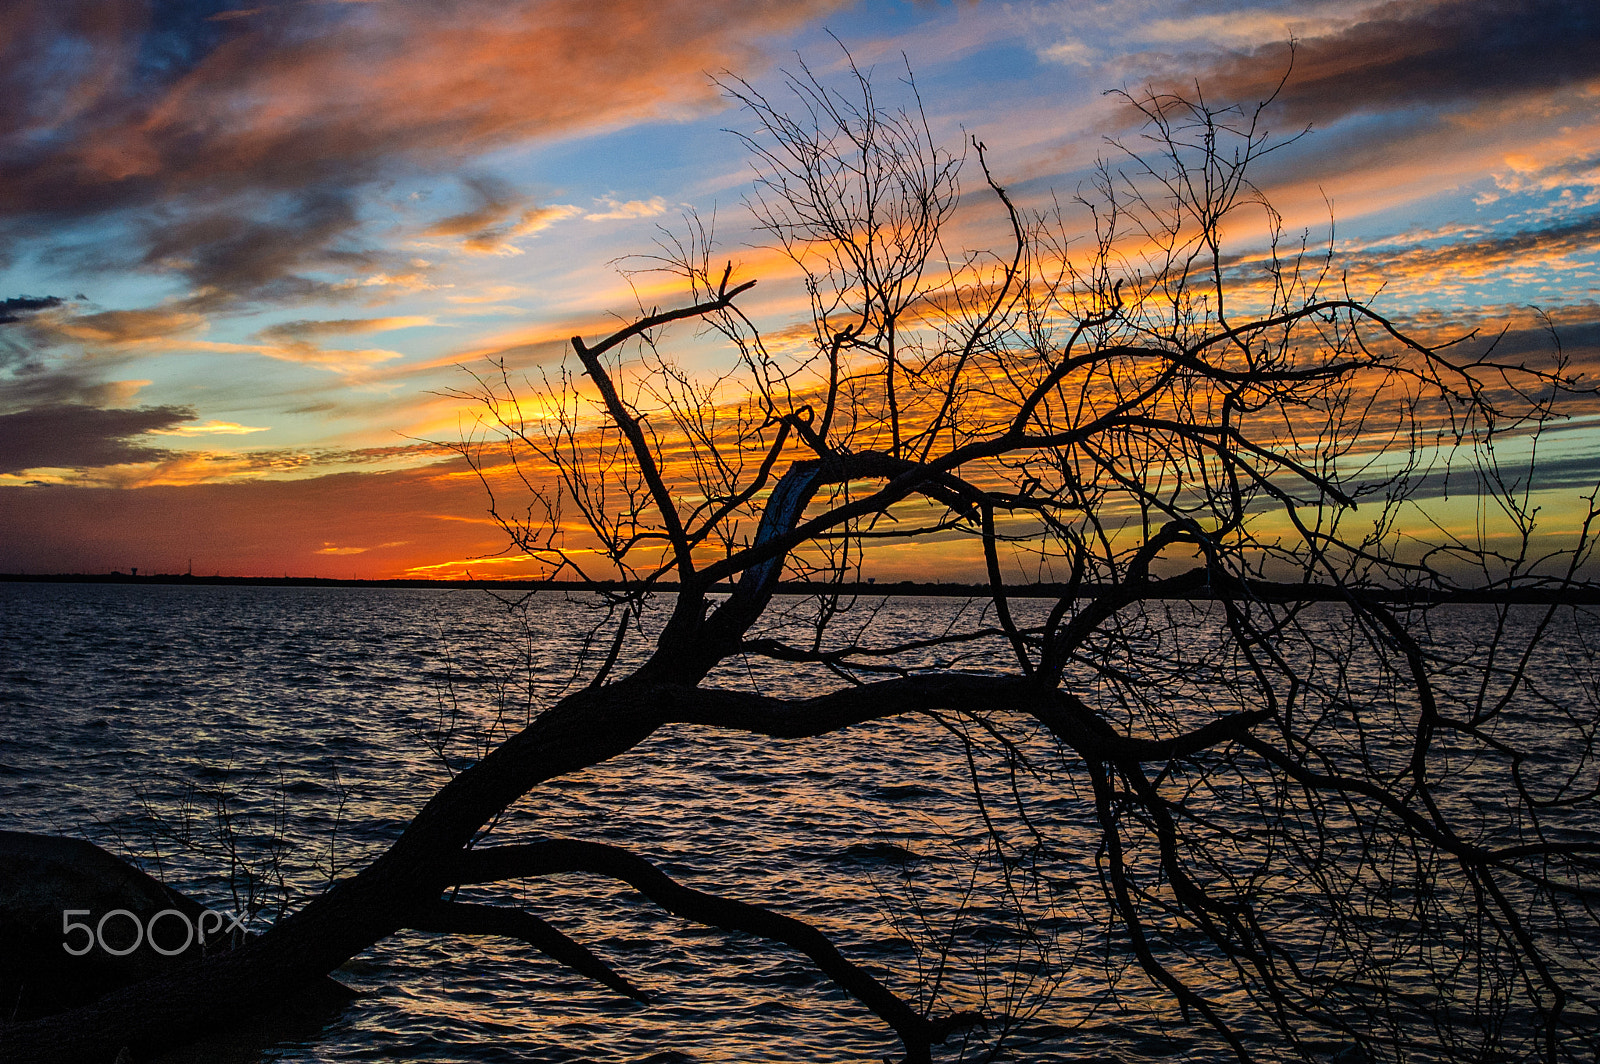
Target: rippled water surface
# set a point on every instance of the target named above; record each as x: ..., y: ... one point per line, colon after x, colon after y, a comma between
x: 145, y: 717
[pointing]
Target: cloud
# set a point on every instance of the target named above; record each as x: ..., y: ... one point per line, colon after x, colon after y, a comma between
x: 535, y: 219
x: 489, y: 294
x: 334, y: 548
x: 174, y: 329
x: 1518, y: 334
x: 1409, y: 53
x: 1575, y: 179
x: 250, y: 252
x: 632, y: 209
x: 234, y: 252
x: 1071, y: 53
x: 302, y: 330
x: 294, y: 341
x: 493, y: 200
x: 303, y: 352
x: 119, y: 327
x: 48, y: 88
x: 210, y: 428
x: 331, y: 549
x: 304, y: 95
x: 1460, y: 256
x: 17, y: 308
x: 75, y: 436
x: 497, y: 216
x: 245, y: 152
x: 146, y: 467
x: 1245, y: 26
x: 31, y: 382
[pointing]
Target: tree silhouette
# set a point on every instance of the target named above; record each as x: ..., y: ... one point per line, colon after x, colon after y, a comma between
x: 1325, y: 814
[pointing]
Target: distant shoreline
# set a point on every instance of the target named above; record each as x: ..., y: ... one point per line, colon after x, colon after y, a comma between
x: 1176, y: 588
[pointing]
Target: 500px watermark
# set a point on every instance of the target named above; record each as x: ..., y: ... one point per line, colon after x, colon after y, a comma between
x: 95, y: 934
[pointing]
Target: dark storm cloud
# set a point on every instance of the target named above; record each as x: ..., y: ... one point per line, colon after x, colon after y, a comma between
x: 18, y: 307
x: 18, y: 349
x: 73, y: 436
x: 1408, y: 54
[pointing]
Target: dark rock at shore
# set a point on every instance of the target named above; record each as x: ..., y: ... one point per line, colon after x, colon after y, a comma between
x: 48, y: 882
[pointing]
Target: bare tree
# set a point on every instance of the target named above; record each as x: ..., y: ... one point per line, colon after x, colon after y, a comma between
x: 1332, y: 809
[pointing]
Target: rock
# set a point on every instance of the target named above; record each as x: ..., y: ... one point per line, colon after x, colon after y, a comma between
x: 56, y: 893
x: 48, y: 882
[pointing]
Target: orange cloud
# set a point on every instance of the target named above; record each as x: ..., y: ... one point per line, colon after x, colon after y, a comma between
x: 292, y: 341
x: 209, y: 428
x: 485, y: 228
x: 119, y: 327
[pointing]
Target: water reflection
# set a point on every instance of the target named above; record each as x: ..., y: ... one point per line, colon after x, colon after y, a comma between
x: 313, y: 722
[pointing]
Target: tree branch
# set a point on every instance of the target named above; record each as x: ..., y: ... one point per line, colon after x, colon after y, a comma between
x: 557, y: 856
x: 590, y: 356
x: 464, y: 918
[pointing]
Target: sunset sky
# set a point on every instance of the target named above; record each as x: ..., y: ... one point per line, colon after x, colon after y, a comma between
x: 243, y: 249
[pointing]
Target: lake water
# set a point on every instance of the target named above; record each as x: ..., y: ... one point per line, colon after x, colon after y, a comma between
x: 312, y: 722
